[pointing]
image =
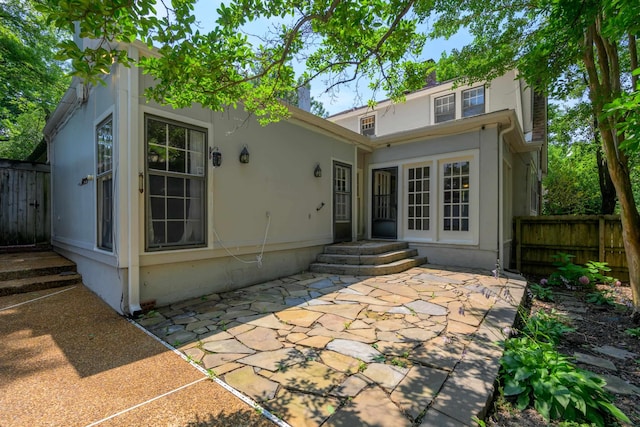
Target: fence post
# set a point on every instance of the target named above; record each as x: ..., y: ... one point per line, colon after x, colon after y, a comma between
x: 601, y: 230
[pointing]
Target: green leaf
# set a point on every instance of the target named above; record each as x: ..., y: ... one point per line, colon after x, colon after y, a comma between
x: 615, y: 411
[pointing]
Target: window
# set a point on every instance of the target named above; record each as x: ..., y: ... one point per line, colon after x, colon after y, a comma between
x: 445, y: 108
x: 104, y: 184
x: 473, y: 101
x: 368, y: 125
x: 176, y: 185
x: 418, y: 198
x: 456, y: 186
x: 342, y: 192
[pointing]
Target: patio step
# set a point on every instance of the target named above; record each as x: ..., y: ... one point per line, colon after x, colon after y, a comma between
x: 34, y: 271
x: 367, y: 258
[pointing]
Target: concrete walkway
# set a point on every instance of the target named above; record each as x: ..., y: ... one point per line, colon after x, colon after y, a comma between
x: 67, y: 359
x: 414, y: 348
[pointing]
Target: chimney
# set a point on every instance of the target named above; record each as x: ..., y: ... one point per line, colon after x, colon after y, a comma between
x: 304, y: 98
x: 431, y: 79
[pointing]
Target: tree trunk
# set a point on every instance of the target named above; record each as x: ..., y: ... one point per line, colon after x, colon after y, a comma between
x: 604, y: 86
x: 607, y: 190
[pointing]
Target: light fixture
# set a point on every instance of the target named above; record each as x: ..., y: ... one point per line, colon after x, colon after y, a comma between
x: 216, y: 156
x: 317, y: 172
x: 244, y: 155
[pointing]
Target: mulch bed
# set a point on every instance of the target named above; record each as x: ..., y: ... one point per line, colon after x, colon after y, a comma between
x: 598, y: 325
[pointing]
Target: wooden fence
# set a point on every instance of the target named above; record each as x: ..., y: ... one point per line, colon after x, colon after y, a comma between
x: 25, y: 214
x: 589, y: 238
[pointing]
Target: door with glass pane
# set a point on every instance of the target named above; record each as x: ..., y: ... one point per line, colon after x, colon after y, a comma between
x: 342, y: 218
x: 384, y: 207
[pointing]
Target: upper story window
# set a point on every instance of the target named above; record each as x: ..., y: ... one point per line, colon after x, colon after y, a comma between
x: 445, y: 108
x: 368, y: 125
x: 473, y: 101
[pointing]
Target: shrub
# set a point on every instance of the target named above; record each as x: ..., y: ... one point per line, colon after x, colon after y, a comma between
x: 570, y: 274
x: 534, y: 372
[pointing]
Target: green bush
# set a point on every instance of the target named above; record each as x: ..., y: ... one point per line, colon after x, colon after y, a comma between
x: 540, y: 292
x: 545, y: 327
x: 534, y: 372
x: 577, y: 275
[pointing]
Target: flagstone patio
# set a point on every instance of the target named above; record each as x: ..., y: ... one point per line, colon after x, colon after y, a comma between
x: 413, y: 348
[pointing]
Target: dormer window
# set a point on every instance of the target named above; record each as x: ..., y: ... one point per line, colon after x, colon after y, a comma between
x: 368, y: 125
x: 445, y: 108
x: 473, y: 101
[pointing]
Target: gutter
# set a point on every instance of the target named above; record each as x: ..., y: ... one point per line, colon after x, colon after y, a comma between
x: 318, y: 124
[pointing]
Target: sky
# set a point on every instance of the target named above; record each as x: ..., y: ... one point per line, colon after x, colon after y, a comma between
x: 346, y: 96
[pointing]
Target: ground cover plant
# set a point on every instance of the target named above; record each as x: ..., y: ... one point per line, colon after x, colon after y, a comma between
x: 542, y: 383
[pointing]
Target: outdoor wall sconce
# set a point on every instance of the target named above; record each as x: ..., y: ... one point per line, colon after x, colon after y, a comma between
x: 244, y: 155
x: 216, y: 156
x: 317, y: 172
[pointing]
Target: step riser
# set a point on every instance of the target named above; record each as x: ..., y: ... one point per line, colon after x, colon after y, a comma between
x: 367, y: 259
x: 41, y: 285
x: 35, y: 272
x: 368, y: 270
x: 365, y: 250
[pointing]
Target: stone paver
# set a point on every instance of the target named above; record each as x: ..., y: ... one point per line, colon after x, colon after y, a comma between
x: 595, y: 361
x: 418, y: 389
x: 334, y: 350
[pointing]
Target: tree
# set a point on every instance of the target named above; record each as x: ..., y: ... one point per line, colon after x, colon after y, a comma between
x: 572, y: 184
x: 578, y: 181
x: 31, y: 81
x: 380, y: 40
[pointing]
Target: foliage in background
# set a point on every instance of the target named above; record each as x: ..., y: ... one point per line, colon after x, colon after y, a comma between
x: 31, y: 80
x: 575, y: 184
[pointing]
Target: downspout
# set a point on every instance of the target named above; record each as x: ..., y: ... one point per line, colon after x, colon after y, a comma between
x: 133, y: 187
x: 511, y: 126
x: 355, y: 215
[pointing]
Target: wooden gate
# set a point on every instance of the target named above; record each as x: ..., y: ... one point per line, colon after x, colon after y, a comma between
x: 25, y: 214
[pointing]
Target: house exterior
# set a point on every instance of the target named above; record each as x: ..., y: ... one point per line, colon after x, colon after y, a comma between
x: 451, y: 167
x: 157, y: 205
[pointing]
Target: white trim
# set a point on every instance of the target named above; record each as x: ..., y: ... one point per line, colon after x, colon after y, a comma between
x: 439, y: 236
x: 146, y: 109
x: 470, y: 237
x: 331, y: 195
x: 419, y: 235
x: 208, y: 222
x: 370, y: 113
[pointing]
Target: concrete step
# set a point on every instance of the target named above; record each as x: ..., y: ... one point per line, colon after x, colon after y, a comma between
x: 368, y: 270
x: 29, y: 284
x: 368, y: 247
x: 383, y: 258
x: 32, y: 264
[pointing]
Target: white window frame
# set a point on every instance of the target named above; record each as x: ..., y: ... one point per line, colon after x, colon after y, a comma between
x: 103, y: 175
x: 435, y: 107
x: 459, y: 236
x: 458, y: 94
x: 437, y: 234
x: 430, y: 233
x: 200, y: 175
x: 374, y: 124
x: 462, y: 99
